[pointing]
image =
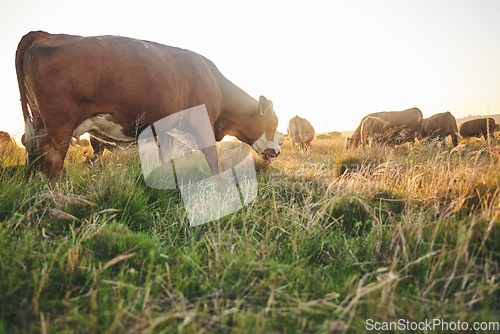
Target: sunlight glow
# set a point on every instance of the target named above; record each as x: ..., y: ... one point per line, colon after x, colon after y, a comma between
x: 329, y: 61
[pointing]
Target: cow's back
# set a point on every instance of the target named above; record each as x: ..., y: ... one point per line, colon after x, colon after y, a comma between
x: 119, y: 76
x: 408, y: 118
x: 373, y: 125
x: 399, y: 118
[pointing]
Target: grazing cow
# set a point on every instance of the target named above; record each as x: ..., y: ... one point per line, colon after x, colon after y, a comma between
x: 114, y: 87
x: 301, y: 132
x: 397, y: 121
x: 439, y: 126
x: 478, y: 127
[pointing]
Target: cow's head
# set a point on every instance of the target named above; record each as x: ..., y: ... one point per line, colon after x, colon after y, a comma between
x: 264, y: 139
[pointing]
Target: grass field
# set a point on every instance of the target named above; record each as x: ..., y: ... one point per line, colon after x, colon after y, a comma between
x: 332, y: 240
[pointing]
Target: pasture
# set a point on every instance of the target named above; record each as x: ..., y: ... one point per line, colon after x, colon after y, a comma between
x: 333, y: 239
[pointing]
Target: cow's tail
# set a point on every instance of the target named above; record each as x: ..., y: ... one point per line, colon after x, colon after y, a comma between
x: 29, y: 137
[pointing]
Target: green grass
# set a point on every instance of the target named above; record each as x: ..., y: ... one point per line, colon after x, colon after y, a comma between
x: 396, y: 235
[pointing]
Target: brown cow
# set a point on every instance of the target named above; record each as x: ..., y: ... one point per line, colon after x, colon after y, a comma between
x: 114, y: 87
x: 406, y: 120
x: 478, y: 127
x: 301, y: 132
x: 439, y: 126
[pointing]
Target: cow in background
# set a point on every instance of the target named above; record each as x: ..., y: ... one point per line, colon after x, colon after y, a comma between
x: 403, y: 124
x: 439, y: 126
x: 478, y: 127
x: 301, y: 132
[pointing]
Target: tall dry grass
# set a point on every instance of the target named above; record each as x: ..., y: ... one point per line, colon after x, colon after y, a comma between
x: 333, y: 239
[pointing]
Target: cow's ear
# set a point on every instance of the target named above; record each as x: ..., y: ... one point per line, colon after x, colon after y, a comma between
x: 263, y: 104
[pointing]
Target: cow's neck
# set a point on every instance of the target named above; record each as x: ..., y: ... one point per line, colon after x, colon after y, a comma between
x: 235, y: 119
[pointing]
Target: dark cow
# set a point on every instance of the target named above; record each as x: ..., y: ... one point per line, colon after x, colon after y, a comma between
x: 406, y: 120
x: 439, y: 126
x: 478, y: 127
x: 301, y: 132
x: 114, y: 87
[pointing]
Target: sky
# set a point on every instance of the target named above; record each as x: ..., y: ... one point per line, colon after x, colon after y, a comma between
x: 331, y: 62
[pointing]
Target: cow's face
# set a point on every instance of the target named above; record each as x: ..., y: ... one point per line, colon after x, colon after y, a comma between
x: 266, y: 145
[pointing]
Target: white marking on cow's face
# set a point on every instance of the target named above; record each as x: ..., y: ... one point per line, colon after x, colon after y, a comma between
x: 103, y: 126
x: 266, y: 148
